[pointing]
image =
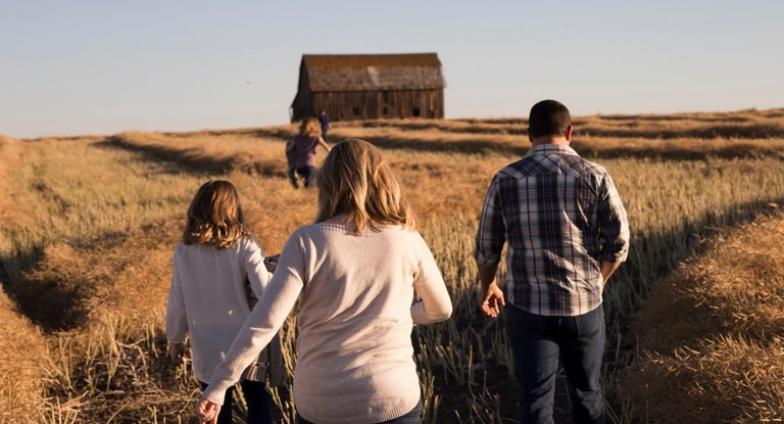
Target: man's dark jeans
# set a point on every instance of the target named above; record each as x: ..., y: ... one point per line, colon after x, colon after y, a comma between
x: 256, y: 397
x: 538, y: 342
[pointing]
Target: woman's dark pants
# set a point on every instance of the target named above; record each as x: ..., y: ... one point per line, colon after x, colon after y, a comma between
x: 413, y: 417
x: 537, y: 344
x: 257, y: 399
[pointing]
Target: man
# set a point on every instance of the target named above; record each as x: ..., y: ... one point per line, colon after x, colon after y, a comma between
x: 324, y: 121
x: 567, y: 233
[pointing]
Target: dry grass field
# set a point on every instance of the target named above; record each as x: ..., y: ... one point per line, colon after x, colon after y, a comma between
x: 88, y: 226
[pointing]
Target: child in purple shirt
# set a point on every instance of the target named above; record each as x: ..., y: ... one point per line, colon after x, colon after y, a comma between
x: 301, y: 152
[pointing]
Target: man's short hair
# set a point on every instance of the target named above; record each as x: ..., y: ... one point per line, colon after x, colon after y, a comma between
x: 547, y: 118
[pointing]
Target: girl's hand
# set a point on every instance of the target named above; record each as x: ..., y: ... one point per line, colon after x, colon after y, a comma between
x: 271, y: 262
x: 208, y: 412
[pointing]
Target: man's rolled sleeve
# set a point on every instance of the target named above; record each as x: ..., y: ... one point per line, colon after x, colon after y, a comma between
x: 490, y: 236
x: 614, y: 224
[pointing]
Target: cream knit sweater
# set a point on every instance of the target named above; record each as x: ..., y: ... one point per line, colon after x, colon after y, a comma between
x: 354, y: 356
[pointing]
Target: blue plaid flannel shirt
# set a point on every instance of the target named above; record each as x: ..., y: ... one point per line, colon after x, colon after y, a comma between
x: 561, y: 215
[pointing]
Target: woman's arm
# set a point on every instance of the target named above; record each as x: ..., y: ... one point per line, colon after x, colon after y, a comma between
x: 429, y: 285
x: 267, y: 317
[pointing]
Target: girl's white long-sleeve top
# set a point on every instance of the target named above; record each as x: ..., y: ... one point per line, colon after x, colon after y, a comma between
x: 208, y: 298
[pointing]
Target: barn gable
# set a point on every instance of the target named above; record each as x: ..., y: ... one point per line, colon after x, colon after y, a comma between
x: 373, y: 72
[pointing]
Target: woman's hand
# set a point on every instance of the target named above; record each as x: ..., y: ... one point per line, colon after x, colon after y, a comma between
x: 208, y: 412
x: 493, y: 300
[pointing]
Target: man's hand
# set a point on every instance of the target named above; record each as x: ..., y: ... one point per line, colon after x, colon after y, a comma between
x: 608, y: 269
x: 271, y: 262
x: 208, y: 412
x: 176, y: 350
x: 493, y: 300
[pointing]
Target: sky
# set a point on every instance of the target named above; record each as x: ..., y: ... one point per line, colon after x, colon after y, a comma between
x: 101, y: 67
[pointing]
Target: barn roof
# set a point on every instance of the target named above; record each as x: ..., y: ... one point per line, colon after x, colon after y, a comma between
x: 370, y: 72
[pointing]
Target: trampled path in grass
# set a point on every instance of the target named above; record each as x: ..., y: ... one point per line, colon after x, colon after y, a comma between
x: 102, y: 219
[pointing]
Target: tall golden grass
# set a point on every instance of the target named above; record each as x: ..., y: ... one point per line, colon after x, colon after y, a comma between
x: 712, y: 334
x: 23, y: 357
x: 23, y: 352
x: 88, y: 236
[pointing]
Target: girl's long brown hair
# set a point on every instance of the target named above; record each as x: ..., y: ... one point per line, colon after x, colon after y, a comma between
x: 355, y: 180
x: 215, y: 216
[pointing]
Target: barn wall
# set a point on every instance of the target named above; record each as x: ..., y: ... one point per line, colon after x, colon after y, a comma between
x: 302, y: 106
x: 351, y: 105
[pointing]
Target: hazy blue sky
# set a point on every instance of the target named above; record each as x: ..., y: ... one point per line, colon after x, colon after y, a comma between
x: 72, y: 67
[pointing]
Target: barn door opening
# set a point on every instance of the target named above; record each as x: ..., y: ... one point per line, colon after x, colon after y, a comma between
x: 386, y: 106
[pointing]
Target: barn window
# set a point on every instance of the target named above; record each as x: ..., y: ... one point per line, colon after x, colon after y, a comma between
x: 416, y: 112
x: 355, y: 110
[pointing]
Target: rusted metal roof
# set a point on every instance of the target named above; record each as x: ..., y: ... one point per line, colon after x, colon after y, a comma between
x: 371, y: 72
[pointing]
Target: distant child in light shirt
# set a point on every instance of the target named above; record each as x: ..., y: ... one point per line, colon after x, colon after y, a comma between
x: 219, y: 271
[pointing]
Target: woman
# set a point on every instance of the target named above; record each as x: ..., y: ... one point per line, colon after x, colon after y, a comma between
x: 357, y: 269
x: 301, y: 152
x: 218, y: 271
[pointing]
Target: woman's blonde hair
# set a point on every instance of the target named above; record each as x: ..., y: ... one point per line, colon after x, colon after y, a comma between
x: 310, y: 127
x: 355, y: 180
x: 215, y: 216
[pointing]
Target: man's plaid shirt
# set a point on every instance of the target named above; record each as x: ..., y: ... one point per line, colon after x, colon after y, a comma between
x: 561, y: 216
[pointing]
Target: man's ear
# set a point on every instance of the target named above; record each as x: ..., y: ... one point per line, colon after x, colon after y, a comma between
x: 530, y: 137
x: 568, y: 134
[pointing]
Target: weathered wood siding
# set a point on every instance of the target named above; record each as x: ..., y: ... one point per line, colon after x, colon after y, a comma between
x: 341, y: 106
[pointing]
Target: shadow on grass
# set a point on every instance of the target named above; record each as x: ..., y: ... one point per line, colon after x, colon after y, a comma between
x: 720, y: 128
x: 194, y: 160
x: 47, y: 303
x: 52, y: 285
x: 590, y: 150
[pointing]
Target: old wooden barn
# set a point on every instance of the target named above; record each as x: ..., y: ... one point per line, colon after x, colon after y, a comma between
x: 370, y: 86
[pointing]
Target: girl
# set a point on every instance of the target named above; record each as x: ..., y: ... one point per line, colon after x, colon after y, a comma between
x: 301, y: 151
x: 357, y: 269
x: 209, y: 297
